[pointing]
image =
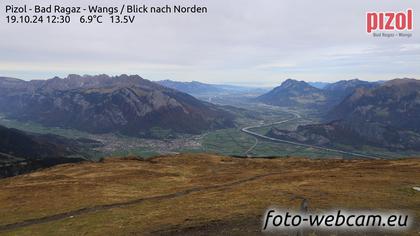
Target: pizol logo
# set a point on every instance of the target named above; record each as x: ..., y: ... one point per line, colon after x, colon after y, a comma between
x: 389, y: 21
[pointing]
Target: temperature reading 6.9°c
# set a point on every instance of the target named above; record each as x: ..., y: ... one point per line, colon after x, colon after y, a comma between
x: 91, y: 19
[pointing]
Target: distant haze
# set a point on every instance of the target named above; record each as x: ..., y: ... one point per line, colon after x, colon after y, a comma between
x: 243, y: 42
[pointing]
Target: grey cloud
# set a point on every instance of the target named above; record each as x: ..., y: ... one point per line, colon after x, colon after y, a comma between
x: 238, y: 41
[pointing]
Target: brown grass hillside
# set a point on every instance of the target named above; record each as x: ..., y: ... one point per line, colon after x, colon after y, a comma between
x: 195, y: 194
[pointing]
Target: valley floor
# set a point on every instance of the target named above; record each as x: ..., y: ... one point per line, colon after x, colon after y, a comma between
x: 229, y: 142
x: 193, y: 194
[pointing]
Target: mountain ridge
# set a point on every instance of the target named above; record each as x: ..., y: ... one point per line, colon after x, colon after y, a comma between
x: 127, y: 104
x: 294, y: 93
x: 385, y: 116
x: 300, y: 93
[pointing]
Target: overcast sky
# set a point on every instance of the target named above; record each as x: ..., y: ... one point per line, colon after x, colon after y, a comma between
x: 247, y: 42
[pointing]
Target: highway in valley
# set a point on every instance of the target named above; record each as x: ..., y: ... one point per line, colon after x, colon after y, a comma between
x: 248, y: 130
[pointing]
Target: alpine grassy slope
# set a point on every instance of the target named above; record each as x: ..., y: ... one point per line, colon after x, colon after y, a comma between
x: 199, y: 194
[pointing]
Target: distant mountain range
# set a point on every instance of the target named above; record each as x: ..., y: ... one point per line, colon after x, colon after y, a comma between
x: 319, y: 85
x: 99, y: 104
x: 193, y: 87
x: 344, y: 88
x: 198, y: 88
x: 385, y: 115
x: 322, y: 85
x: 292, y: 93
x: 22, y: 152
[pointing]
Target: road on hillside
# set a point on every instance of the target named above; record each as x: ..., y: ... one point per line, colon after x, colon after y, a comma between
x: 297, y: 116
